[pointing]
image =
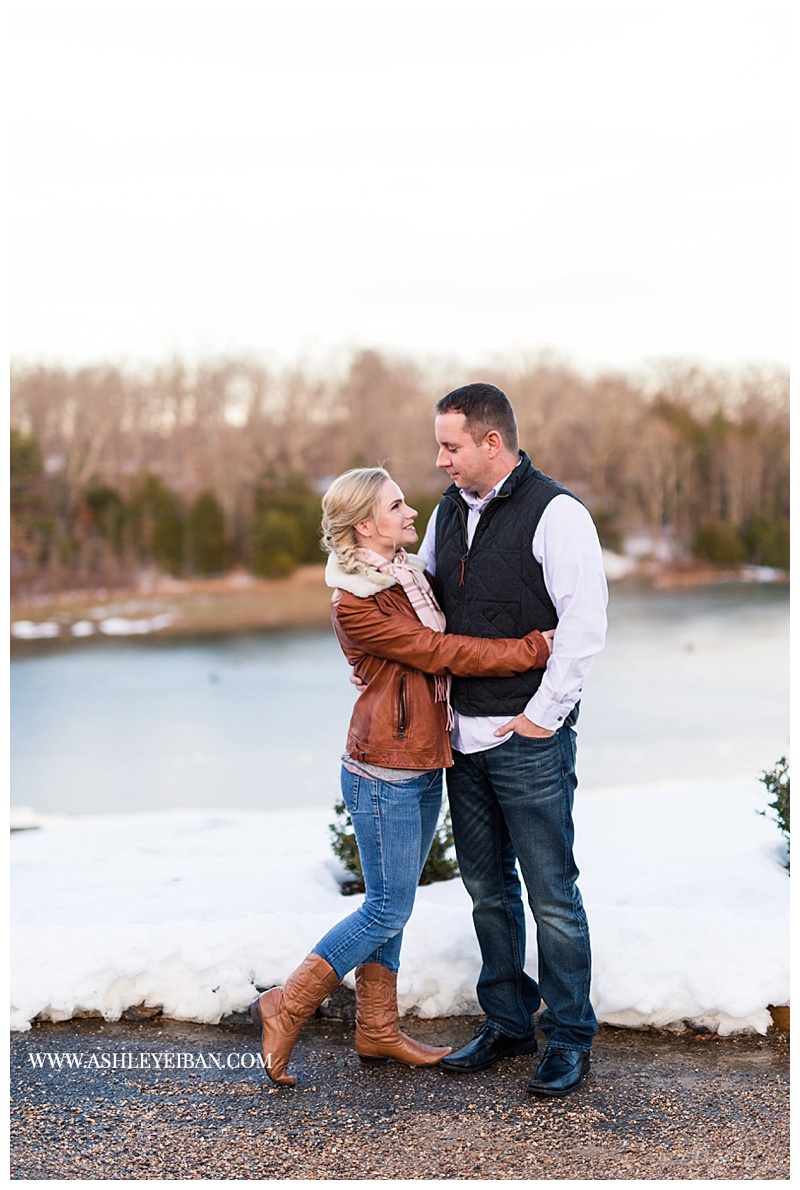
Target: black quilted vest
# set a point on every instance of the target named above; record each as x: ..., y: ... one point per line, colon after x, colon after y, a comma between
x: 495, y: 587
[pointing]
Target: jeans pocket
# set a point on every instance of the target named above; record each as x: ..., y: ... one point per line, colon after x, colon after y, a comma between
x: 538, y: 741
x: 435, y: 781
x: 350, y: 785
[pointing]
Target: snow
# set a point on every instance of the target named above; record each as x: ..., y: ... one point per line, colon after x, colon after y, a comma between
x: 617, y: 566
x: 684, y: 885
x: 110, y: 626
x: 28, y: 630
x: 121, y: 626
x: 763, y: 574
x: 660, y: 547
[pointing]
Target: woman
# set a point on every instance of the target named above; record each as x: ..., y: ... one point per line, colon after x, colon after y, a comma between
x: 391, y: 630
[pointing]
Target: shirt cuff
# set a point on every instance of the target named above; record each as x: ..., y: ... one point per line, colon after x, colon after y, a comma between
x: 547, y: 713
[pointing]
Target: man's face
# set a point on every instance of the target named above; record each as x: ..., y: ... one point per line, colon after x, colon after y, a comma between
x: 467, y: 462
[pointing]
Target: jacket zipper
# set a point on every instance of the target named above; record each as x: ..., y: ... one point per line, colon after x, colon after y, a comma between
x: 401, y: 708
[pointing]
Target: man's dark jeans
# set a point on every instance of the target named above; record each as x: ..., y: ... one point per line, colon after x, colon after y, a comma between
x: 515, y: 802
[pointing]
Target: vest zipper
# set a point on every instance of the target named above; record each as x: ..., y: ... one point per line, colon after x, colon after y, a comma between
x: 465, y: 557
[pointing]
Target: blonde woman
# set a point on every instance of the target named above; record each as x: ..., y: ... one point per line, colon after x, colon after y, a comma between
x: 391, y: 630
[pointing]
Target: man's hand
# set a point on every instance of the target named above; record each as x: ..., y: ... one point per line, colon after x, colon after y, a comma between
x: 358, y: 682
x: 523, y: 726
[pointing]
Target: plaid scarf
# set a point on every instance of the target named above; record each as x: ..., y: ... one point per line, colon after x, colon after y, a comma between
x: 422, y: 600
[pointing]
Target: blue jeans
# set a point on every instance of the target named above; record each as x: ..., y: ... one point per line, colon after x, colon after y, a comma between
x: 510, y: 803
x: 394, y: 824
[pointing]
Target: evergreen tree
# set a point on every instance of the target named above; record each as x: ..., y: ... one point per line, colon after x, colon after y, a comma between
x: 277, y: 544
x: 31, y: 530
x: 289, y: 494
x: 108, y: 515
x: 156, y: 524
x: 768, y: 542
x: 719, y: 543
x: 206, y: 547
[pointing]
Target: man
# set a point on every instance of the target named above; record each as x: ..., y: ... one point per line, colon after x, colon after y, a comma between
x: 512, y: 550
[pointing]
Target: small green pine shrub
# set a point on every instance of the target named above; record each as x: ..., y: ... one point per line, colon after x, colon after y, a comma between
x: 344, y: 844
x: 777, y: 782
x: 440, y: 865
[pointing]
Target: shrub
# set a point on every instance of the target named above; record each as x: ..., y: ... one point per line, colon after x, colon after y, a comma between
x: 777, y: 782
x: 344, y: 844
x: 438, y: 866
x: 719, y: 543
x: 768, y: 542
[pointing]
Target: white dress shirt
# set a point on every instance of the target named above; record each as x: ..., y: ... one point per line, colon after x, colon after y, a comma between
x: 566, y: 546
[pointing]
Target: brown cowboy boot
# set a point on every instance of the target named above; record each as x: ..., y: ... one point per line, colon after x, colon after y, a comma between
x: 377, y: 1035
x: 279, y: 1013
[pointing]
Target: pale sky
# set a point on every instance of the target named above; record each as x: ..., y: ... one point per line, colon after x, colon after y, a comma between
x: 609, y: 181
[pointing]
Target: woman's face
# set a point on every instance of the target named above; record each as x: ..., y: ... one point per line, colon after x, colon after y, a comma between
x: 391, y: 525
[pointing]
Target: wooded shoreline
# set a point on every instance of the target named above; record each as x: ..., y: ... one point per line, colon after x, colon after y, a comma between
x: 240, y: 602
x: 192, y: 471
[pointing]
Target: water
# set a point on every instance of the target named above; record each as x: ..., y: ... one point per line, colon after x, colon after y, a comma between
x: 692, y: 685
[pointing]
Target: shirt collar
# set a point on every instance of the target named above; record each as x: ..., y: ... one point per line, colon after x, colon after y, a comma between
x: 477, y: 503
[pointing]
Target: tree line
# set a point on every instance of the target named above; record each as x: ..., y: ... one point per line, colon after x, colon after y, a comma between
x: 192, y: 470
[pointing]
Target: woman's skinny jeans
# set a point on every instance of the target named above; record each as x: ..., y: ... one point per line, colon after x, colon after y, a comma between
x: 394, y: 824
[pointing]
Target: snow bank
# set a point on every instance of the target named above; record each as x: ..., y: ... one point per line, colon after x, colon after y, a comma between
x: 28, y: 630
x: 110, y: 626
x: 191, y: 910
x: 617, y: 566
x: 121, y: 626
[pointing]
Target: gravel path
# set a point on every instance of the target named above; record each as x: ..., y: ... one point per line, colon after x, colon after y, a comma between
x: 656, y: 1106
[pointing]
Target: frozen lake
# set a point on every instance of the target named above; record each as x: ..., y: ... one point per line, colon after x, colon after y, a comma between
x: 693, y: 684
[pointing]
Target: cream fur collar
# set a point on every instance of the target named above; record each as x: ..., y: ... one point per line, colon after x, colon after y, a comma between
x: 360, y: 584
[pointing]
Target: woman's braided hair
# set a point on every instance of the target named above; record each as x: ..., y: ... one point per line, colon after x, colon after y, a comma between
x: 350, y: 499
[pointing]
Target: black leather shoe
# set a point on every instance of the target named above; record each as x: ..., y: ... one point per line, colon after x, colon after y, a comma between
x: 486, y: 1047
x: 559, y: 1073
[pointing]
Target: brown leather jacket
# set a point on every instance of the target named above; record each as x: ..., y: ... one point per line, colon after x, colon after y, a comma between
x: 396, y: 721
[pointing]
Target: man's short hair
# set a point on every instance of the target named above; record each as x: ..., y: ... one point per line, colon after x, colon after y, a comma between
x: 485, y: 407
